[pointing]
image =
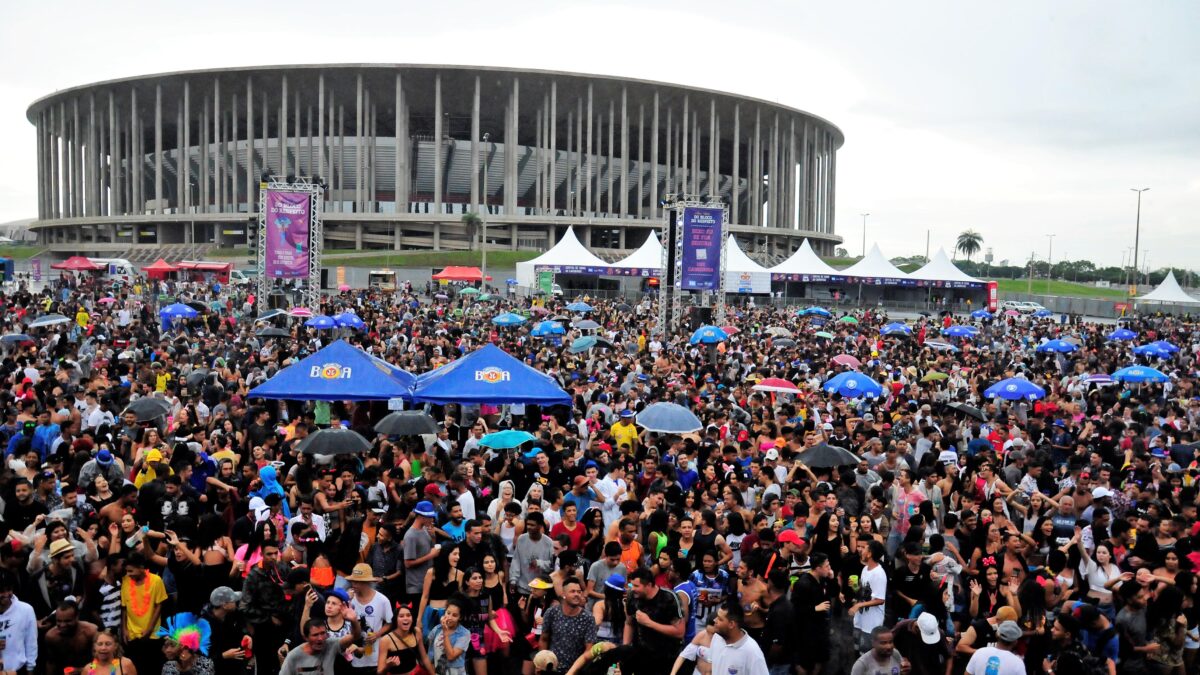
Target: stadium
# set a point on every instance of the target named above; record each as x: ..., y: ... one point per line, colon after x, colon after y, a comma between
x: 171, y: 163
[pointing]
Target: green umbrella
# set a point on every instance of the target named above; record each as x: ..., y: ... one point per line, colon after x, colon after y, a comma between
x: 583, y: 344
x: 848, y: 319
x: 486, y: 297
x: 934, y: 376
x: 469, y: 290
x: 823, y: 334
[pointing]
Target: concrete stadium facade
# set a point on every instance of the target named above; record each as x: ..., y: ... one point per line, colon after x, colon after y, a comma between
x: 174, y: 159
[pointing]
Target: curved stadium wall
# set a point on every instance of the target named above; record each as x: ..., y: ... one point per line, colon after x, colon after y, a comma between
x: 175, y: 159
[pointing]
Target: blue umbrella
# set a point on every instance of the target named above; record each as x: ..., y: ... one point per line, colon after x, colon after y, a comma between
x: 1041, y: 313
x: 349, y: 320
x: 895, y: 329
x: 511, y: 282
x: 981, y: 314
x: 708, y: 335
x: 177, y: 310
x: 583, y: 344
x: 853, y: 384
x: 960, y: 331
x: 579, y: 307
x: 321, y: 322
x: 1153, y: 349
x: 1014, y: 389
x: 1140, y: 374
x: 16, y: 338
x: 508, y: 319
x: 1056, y: 346
x: 506, y: 440
x: 1164, y: 344
x: 668, y: 418
x: 543, y: 328
x: 940, y: 345
x: 1122, y: 334
x: 815, y: 311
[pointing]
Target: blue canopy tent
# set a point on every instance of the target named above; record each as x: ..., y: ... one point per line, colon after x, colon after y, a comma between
x: 176, y: 311
x: 339, y: 372
x: 488, y: 375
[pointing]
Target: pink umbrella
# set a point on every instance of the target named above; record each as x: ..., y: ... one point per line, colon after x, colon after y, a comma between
x: 106, y: 301
x: 1012, y: 312
x: 846, y: 360
x: 731, y: 330
x: 342, y: 288
x: 302, y: 312
x: 777, y: 385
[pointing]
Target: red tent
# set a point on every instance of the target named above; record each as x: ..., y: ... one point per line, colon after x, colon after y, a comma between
x: 459, y: 274
x: 159, y: 269
x: 77, y: 263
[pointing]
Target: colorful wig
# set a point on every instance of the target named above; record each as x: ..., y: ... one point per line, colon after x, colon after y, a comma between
x: 188, y: 630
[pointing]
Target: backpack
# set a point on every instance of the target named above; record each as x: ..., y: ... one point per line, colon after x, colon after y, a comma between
x: 1077, y: 660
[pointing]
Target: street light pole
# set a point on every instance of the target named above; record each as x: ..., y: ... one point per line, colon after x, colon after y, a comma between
x: 1137, y: 233
x: 483, y: 219
x: 864, y: 217
x: 1049, y: 262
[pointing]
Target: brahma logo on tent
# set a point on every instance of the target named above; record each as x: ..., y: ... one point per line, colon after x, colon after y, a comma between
x: 330, y: 371
x: 492, y: 375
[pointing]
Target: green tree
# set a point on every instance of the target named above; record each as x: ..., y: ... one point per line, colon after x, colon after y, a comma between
x: 472, y: 222
x: 969, y: 243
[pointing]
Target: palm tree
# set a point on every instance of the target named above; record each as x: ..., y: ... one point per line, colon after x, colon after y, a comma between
x: 969, y: 242
x: 471, y: 221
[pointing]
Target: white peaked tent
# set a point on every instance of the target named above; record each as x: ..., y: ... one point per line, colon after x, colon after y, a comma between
x: 647, y: 257
x: 568, y: 252
x: 940, y: 268
x: 874, y: 265
x: 1168, y: 293
x: 742, y: 274
x: 804, y: 261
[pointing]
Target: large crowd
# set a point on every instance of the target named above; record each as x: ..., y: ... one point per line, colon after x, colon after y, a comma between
x: 156, y: 518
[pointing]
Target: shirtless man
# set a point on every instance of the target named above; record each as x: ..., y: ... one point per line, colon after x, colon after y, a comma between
x: 69, y: 643
x: 751, y: 590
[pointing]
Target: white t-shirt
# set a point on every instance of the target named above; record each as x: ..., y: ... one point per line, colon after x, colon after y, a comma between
x: 995, y: 661
x: 743, y: 657
x: 875, y: 580
x: 377, y: 612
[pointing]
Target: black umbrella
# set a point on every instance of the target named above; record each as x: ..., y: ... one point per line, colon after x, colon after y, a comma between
x: 197, y: 305
x: 826, y: 456
x: 784, y: 342
x: 407, y: 423
x: 196, y: 378
x: 604, y: 344
x: 969, y: 411
x: 624, y: 307
x: 335, y: 441
x: 148, y: 408
x: 273, y: 332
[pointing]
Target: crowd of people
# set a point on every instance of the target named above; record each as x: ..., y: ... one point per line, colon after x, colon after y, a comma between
x: 157, y: 518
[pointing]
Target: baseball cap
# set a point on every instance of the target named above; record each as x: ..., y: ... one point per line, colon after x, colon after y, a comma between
x: 434, y: 489
x: 772, y: 455
x: 580, y: 481
x: 425, y: 509
x: 928, y: 624
x: 104, y: 458
x: 222, y: 595
x: 625, y: 414
x: 1006, y: 614
x: 1100, y: 492
x: 1007, y: 631
x: 790, y: 537
x: 339, y: 594
x: 154, y: 456
x: 545, y: 660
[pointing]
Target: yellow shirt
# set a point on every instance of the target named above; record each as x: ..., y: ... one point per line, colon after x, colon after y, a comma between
x: 624, y: 434
x: 148, y: 475
x: 161, y: 380
x: 147, y: 595
x: 82, y: 318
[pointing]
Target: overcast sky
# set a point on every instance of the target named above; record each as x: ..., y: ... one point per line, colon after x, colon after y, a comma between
x: 1016, y: 119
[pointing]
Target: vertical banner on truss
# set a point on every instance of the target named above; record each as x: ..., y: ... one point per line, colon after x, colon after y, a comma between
x: 288, y: 240
x: 702, y: 248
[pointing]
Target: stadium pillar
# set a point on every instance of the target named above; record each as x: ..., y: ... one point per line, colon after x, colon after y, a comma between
x: 437, y: 145
x: 654, y: 160
x: 736, y: 187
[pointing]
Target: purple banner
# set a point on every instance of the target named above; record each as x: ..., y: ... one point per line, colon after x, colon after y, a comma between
x: 287, y: 221
x: 702, y: 246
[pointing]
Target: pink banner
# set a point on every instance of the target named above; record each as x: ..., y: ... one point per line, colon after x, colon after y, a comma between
x: 287, y: 223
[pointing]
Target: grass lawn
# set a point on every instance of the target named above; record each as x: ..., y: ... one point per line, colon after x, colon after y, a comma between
x: 430, y: 259
x: 19, y: 252
x: 230, y: 252
x: 1061, y: 288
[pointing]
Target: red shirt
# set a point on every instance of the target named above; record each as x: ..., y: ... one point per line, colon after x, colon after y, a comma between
x: 576, y: 534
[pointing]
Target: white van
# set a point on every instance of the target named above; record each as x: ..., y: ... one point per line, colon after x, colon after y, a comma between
x: 117, y: 269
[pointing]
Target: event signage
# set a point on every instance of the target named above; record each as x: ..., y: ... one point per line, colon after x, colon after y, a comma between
x: 701, y: 236
x: 288, y: 216
x: 546, y: 282
x: 330, y: 371
x: 492, y: 375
